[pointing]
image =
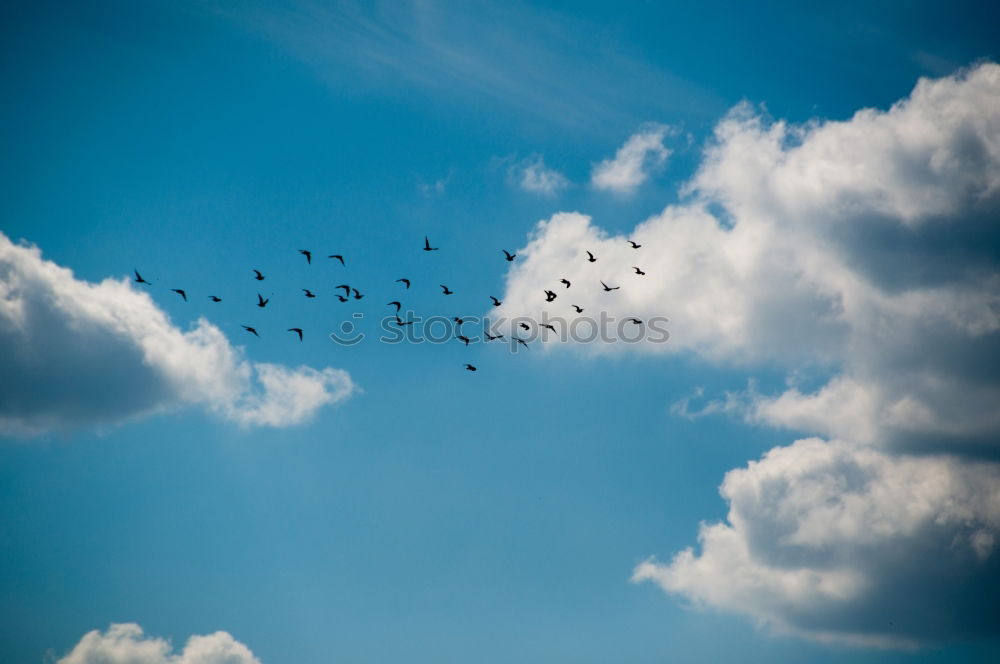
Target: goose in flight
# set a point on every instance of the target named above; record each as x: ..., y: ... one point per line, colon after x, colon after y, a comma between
x: 250, y: 330
x: 608, y: 289
x: 308, y: 254
x: 549, y: 296
x: 262, y: 301
x: 394, y: 303
x: 308, y: 292
x: 427, y: 245
x: 590, y: 258
x: 404, y: 280
x: 446, y: 290
x: 509, y: 256
x: 180, y: 291
x: 496, y: 302
x: 566, y: 282
x: 258, y: 276
x: 469, y: 367
x: 140, y: 280
x: 296, y: 330
x: 214, y: 298
x: 338, y: 257
x: 634, y: 245
x: 638, y: 271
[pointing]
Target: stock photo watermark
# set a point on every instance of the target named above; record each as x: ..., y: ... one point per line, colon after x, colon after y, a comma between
x: 517, y: 332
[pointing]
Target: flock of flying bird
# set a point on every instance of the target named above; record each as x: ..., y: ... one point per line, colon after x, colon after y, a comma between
x: 352, y: 293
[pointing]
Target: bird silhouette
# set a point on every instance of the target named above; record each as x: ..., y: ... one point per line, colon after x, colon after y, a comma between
x: 509, y: 256
x: 308, y: 292
x: 590, y: 258
x: 579, y: 310
x: 258, y: 276
x: 427, y: 245
x: 308, y: 254
x: 347, y: 289
x: 634, y: 245
x: 250, y: 330
x: 547, y: 325
x: 394, y: 303
x: 469, y: 367
x: 496, y: 302
x: 400, y: 322
x: 213, y: 298
x: 549, y: 296
x: 565, y: 281
x: 524, y: 326
x: 608, y: 289
x: 357, y: 295
x: 458, y: 321
x: 180, y: 291
x: 493, y: 337
x: 446, y: 290
x: 140, y: 280
x: 463, y: 338
x: 636, y: 321
x: 637, y: 270
x: 296, y: 330
x: 338, y: 257
x: 341, y: 298
x: 404, y: 280
x: 261, y: 301
x: 520, y: 341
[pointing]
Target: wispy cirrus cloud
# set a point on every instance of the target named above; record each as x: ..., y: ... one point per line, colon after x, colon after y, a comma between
x: 77, y: 354
x: 532, y: 175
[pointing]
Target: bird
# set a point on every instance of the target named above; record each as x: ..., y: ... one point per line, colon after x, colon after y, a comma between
x: 259, y: 276
x: 308, y: 254
x: 261, y: 301
x: 404, y: 280
x: 140, y: 280
x: 579, y: 310
x: 549, y: 296
x: 357, y: 295
x: 634, y: 245
x: 250, y: 330
x: 520, y: 341
x: 296, y: 330
x: 427, y: 245
x: 636, y: 321
x: 401, y: 322
x: 447, y: 291
x: 396, y: 304
x: 180, y: 291
x: 496, y: 302
x: 565, y: 281
x: 347, y: 289
x: 493, y: 337
x: 338, y: 257
x: 509, y: 256
x: 548, y: 326
x: 308, y: 292
x: 591, y: 258
x: 608, y: 289
x: 341, y: 298
x: 524, y: 326
x: 458, y: 321
x: 213, y: 298
x: 469, y: 367
x: 637, y: 270
x: 463, y: 338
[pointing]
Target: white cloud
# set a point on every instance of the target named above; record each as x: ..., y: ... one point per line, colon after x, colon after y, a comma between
x: 533, y: 175
x: 125, y: 643
x: 865, y: 251
x: 838, y: 541
x: 641, y: 153
x: 77, y: 354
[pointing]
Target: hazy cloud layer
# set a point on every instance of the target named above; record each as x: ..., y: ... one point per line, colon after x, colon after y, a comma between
x: 866, y: 251
x: 125, y: 643
x: 533, y: 175
x: 641, y: 154
x: 76, y: 354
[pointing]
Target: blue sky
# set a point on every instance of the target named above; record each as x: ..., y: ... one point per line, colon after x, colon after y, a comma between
x: 434, y: 514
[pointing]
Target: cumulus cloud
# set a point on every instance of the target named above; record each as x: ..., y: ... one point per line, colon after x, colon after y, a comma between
x: 863, y: 252
x: 533, y: 175
x: 125, y: 643
x: 836, y: 540
x: 77, y: 354
x: 642, y: 152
